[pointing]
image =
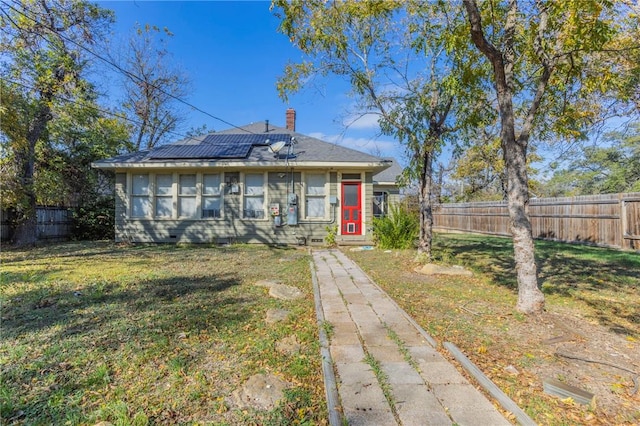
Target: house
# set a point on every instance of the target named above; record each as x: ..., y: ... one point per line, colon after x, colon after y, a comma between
x: 256, y: 184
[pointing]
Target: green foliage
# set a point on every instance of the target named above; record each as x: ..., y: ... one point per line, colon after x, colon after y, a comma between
x: 397, y: 230
x: 94, y: 220
x: 479, y: 171
x: 607, y: 169
x: 399, y: 64
x: 332, y: 232
x: 43, y: 67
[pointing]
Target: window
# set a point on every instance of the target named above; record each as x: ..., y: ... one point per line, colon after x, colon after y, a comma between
x: 254, y: 195
x: 380, y: 203
x: 211, y: 195
x: 187, y: 196
x: 315, y: 195
x: 164, y: 195
x: 351, y: 176
x: 140, y: 202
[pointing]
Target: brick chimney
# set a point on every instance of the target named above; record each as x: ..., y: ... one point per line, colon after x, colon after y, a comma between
x: 291, y: 119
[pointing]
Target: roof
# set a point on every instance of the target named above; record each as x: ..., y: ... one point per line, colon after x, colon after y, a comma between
x: 389, y: 176
x: 247, y: 146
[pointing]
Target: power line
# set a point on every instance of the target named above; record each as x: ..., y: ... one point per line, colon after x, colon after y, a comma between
x: 119, y: 68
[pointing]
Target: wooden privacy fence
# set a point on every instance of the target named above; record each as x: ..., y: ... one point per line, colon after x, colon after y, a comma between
x: 54, y: 223
x: 607, y: 220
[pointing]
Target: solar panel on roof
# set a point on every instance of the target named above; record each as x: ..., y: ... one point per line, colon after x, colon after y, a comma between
x: 252, y: 139
x: 201, y: 151
x: 218, y: 146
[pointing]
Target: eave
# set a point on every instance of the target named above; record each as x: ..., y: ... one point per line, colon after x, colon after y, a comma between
x: 374, y: 166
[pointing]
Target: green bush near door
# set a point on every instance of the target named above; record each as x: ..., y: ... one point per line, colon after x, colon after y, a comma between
x: 397, y: 230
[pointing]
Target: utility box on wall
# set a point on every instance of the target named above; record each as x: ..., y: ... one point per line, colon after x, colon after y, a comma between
x: 292, y: 209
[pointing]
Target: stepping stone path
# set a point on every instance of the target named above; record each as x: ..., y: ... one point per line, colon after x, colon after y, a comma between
x: 285, y: 292
x: 280, y: 291
x: 417, y: 385
x: 261, y: 391
x: 264, y: 391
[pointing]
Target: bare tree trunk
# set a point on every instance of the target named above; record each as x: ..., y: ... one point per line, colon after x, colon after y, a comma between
x: 426, y: 206
x: 530, y: 298
x: 26, y: 232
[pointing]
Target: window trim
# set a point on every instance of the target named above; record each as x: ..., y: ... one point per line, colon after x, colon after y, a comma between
x: 220, y: 196
x: 305, y: 195
x: 148, y: 196
x: 264, y: 195
x: 193, y: 196
x: 156, y: 196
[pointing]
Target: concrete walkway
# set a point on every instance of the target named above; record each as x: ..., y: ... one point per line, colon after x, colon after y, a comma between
x: 387, y: 370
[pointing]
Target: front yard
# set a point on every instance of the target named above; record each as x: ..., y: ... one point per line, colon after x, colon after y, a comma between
x: 588, y: 337
x: 136, y: 335
x: 139, y: 335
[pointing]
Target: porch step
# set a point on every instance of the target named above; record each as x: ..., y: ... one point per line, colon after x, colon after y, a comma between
x: 359, y: 242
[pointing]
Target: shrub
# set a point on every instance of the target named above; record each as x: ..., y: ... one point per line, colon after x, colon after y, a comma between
x: 397, y: 230
x: 95, y: 220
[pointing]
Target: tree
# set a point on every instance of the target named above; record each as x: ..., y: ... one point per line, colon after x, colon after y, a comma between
x: 479, y: 169
x: 397, y: 62
x: 78, y: 135
x: 42, y: 42
x: 538, y: 53
x: 152, y: 87
x: 602, y: 170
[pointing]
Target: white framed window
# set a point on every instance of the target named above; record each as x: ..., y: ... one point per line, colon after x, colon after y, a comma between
x: 253, y: 204
x: 315, y: 195
x: 140, y: 200
x: 187, y: 193
x: 164, y: 195
x: 211, y: 196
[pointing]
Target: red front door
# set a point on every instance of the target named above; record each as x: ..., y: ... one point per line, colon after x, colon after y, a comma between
x: 351, y: 208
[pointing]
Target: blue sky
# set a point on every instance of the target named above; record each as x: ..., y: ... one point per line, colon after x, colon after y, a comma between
x: 232, y: 53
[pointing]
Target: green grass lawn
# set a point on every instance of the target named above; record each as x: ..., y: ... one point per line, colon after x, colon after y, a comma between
x: 603, y: 282
x: 142, y: 335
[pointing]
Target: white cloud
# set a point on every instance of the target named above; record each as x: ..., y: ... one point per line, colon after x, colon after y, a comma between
x: 384, y: 148
x: 363, y: 122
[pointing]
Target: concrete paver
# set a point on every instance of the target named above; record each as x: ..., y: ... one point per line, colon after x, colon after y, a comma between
x: 373, y: 341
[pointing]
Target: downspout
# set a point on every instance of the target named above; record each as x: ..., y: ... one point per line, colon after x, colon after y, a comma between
x: 323, y: 222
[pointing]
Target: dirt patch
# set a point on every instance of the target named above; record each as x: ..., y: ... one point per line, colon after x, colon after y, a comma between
x: 433, y: 269
x: 591, y: 357
x: 572, y: 349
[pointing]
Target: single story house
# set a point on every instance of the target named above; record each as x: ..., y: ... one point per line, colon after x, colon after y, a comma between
x: 256, y: 184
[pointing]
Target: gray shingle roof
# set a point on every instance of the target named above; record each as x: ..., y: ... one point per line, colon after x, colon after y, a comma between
x: 247, y: 144
x: 389, y: 175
